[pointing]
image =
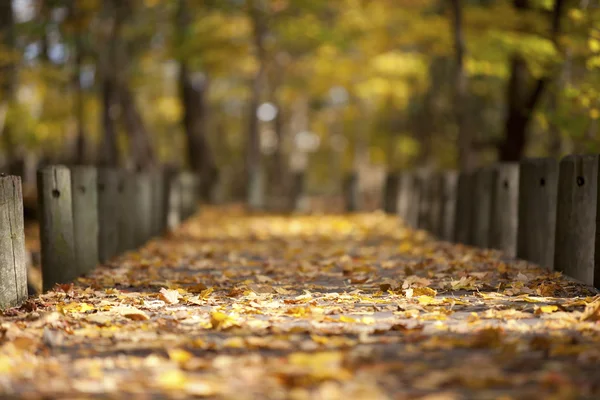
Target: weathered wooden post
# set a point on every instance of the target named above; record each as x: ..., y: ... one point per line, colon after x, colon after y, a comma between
x: 404, y: 195
x: 414, y: 200
x: 352, y: 192
x: 576, y: 244
x: 109, y: 200
x: 423, y: 185
x: 188, y: 194
x: 390, y: 192
x: 483, y: 187
x: 298, y: 187
x: 56, y: 226
x: 13, y: 267
x: 505, y: 209
x: 464, y: 201
x: 143, y: 215
x: 157, y: 201
x: 173, y: 201
x: 126, y: 216
x: 448, y: 205
x: 84, y: 191
x: 168, y: 177
x: 538, y: 185
x: 436, y: 193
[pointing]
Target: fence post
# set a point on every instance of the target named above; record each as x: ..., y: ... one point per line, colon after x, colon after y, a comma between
x: 56, y: 226
x: 174, y: 201
x: 157, y: 199
x: 167, y: 177
x: 187, y: 183
x: 448, y: 205
x: 109, y: 200
x: 483, y: 187
x: 436, y: 192
x: 423, y: 186
x: 143, y: 215
x: 126, y: 216
x: 352, y: 192
x: 575, y: 244
x: 298, y: 188
x: 464, y: 201
x: 538, y: 185
x: 404, y: 196
x: 84, y: 189
x: 390, y: 193
x: 414, y: 200
x: 505, y: 209
x: 13, y: 269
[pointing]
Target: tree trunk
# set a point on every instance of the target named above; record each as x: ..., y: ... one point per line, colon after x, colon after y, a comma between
x: 80, y: 145
x: 523, y: 94
x: 193, y: 88
x: 7, y: 76
x: 140, y: 146
x: 466, y: 159
x: 254, y: 166
x: 109, y: 152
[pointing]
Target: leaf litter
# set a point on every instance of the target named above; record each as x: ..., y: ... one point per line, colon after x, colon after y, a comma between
x: 241, y: 306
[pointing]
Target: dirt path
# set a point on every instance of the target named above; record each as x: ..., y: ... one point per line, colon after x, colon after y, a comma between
x: 321, y: 307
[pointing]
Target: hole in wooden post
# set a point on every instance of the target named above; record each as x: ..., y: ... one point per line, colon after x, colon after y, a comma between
x: 101, y: 187
x: 121, y: 187
x: 82, y: 189
x: 542, y: 182
x: 580, y: 181
x: 505, y: 184
x: 56, y: 193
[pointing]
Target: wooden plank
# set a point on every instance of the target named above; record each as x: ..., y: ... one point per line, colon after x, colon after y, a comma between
x: 352, y: 192
x: 448, y: 213
x: 298, y: 188
x: 13, y: 265
x: 126, y: 192
x: 390, y: 192
x: 464, y: 201
x: 538, y: 191
x: 84, y: 184
x: 143, y: 214
x: 505, y: 209
x: 188, y: 194
x: 576, y: 217
x: 436, y: 194
x: 109, y: 209
x: 56, y: 226
x: 483, y: 187
x: 157, y: 179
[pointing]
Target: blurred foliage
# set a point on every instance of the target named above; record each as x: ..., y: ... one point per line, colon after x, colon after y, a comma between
x: 392, y: 57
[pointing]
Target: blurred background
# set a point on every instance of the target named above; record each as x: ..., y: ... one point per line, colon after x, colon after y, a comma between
x: 246, y: 91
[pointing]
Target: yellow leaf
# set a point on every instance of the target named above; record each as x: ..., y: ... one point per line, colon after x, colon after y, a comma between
x: 172, y: 380
x: 180, y: 356
x: 344, y: 318
x: 425, y: 300
x: 546, y: 309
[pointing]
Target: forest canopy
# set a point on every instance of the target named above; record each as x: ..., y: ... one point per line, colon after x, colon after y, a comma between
x: 236, y: 88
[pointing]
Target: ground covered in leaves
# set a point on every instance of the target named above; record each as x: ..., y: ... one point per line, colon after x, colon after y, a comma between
x: 306, y: 307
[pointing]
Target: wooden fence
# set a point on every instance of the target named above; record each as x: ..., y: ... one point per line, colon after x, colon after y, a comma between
x: 88, y: 215
x: 539, y: 210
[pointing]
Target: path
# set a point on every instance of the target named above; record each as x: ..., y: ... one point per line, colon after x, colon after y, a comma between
x: 321, y: 307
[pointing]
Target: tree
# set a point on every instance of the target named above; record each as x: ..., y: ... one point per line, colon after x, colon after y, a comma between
x: 524, y: 92
x: 193, y: 87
